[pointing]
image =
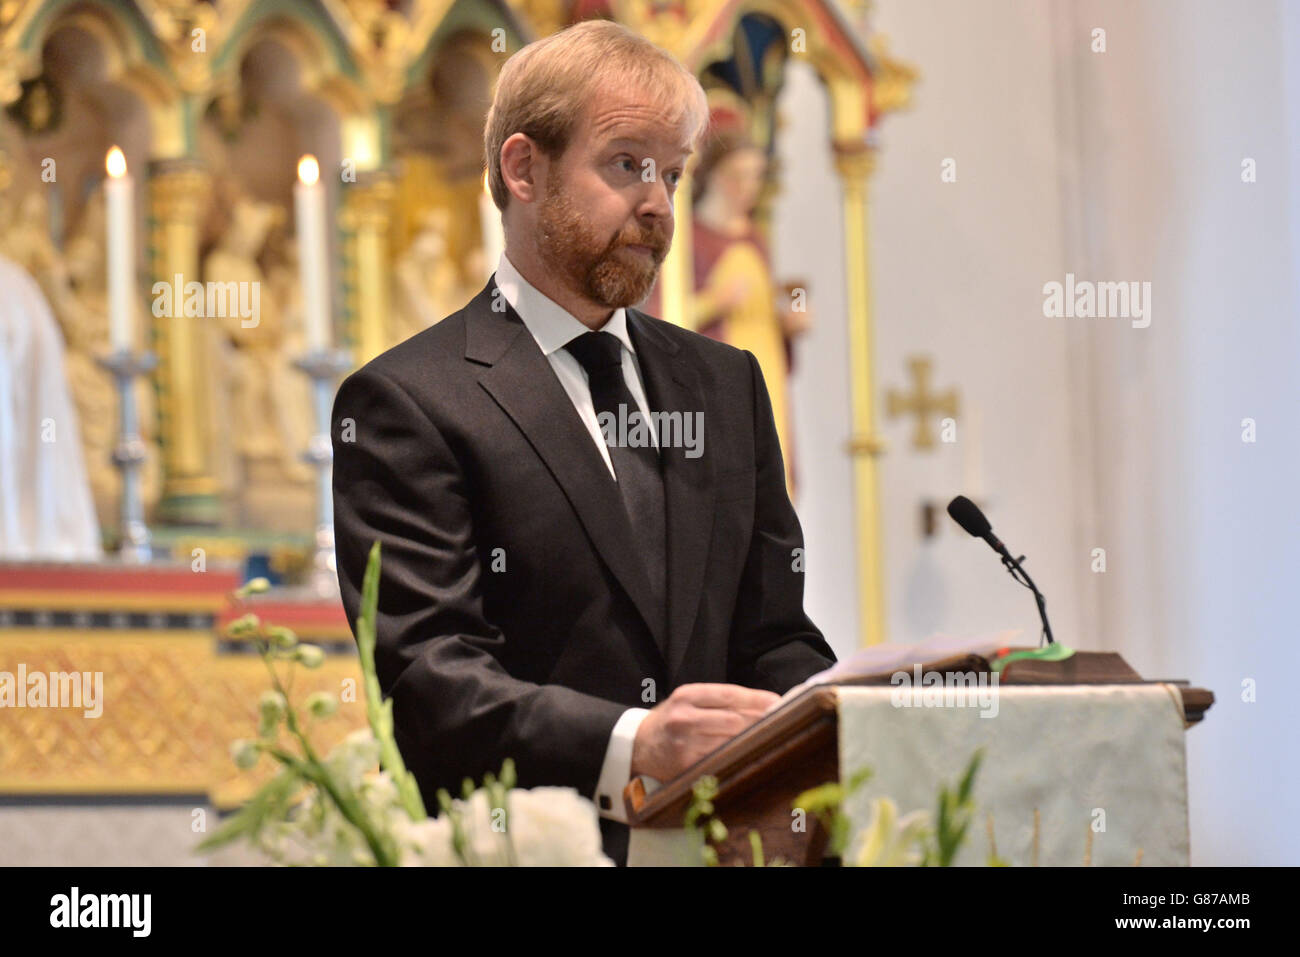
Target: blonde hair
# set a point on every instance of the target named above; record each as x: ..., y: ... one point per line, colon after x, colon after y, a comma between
x: 544, y: 88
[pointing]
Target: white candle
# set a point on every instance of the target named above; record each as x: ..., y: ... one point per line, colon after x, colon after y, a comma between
x: 309, y: 210
x: 494, y: 238
x: 119, y: 210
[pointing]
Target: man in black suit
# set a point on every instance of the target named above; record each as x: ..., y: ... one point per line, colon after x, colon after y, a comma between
x: 560, y: 584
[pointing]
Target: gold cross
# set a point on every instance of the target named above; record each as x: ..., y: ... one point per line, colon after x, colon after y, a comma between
x: 921, y: 403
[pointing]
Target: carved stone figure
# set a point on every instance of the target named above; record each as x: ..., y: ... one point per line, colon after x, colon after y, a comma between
x: 269, y: 418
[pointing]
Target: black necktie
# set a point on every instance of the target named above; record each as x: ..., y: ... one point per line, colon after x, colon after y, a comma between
x: 636, y: 466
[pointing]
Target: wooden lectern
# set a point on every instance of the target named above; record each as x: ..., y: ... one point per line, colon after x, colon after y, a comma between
x: 761, y: 771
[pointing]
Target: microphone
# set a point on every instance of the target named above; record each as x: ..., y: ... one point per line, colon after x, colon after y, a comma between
x: 968, y: 515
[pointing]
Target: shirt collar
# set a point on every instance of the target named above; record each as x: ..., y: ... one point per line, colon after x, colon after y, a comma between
x: 551, y: 324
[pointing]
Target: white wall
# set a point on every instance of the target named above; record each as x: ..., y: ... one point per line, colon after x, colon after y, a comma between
x: 1123, y: 165
x: 1202, y: 525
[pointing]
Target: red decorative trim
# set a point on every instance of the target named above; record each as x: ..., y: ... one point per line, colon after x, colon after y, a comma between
x: 116, y: 579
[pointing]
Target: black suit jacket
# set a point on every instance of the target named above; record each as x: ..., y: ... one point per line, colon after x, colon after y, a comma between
x: 515, y: 619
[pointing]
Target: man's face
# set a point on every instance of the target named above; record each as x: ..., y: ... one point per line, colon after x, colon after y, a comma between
x: 606, y: 220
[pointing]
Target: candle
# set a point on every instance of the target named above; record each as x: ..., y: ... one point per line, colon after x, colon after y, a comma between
x: 494, y: 240
x: 119, y: 209
x: 309, y: 210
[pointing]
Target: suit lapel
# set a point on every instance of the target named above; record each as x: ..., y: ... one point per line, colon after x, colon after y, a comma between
x: 520, y: 379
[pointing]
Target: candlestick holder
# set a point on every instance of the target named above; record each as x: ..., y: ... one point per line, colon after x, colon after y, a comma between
x: 323, y: 366
x: 134, y: 546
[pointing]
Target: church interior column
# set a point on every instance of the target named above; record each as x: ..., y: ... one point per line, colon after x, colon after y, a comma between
x: 675, y: 278
x: 367, y: 221
x: 178, y: 190
x: 854, y: 162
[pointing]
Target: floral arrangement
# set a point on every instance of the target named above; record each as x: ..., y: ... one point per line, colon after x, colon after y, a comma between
x: 916, y: 839
x: 358, y: 805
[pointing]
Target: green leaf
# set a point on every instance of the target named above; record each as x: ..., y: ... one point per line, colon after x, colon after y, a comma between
x: 269, y: 802
x: 379, y: 711
x: 1053, y: 652
x: 968, y: 779
x: 824, y: 797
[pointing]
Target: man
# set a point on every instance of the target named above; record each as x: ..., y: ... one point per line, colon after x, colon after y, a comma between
x: 590, y: 605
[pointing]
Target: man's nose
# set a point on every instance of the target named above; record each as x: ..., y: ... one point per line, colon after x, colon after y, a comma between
x: 657, y: 201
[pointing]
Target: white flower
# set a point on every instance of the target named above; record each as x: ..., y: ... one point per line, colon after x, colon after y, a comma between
x: 555, y: 827
x: 352, y: 757
x: 888, y: 841
x: 379, y: 792
x: 424, y: 843
x: 544, y: 827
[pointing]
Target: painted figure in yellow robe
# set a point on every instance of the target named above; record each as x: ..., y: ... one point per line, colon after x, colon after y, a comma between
x: 736, y: 300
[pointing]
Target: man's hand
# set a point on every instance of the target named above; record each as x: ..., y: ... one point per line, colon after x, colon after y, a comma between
x: 695, y: 720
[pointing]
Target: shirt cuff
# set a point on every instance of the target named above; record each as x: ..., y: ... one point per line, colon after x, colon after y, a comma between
x: 617, y: 769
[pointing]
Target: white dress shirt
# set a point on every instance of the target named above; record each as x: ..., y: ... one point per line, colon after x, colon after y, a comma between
x: 554, y: 327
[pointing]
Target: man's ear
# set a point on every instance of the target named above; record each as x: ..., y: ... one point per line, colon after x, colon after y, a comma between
x: 523, y: 167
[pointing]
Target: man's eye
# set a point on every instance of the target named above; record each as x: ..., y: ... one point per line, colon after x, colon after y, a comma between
x: 626, y: 161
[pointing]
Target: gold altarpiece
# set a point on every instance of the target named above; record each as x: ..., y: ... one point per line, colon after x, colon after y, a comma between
x: 213, y: 102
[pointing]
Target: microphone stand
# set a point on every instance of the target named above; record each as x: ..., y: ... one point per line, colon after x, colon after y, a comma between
x: 1018, y: 572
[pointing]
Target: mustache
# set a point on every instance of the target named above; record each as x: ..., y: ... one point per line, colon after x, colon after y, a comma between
x: 657, y: 242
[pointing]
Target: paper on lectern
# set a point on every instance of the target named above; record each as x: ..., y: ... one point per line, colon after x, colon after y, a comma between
x: 892, y: 656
